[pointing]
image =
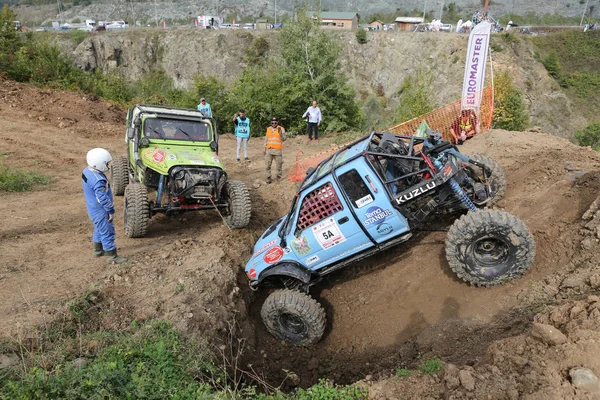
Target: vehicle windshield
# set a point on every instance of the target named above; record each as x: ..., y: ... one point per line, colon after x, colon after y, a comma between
x: 171, y: 129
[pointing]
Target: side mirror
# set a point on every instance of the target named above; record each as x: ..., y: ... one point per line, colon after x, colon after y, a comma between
x: 130, y: 133
x: 137, y: 123
x: 213, y: 146
x: 144, y: 142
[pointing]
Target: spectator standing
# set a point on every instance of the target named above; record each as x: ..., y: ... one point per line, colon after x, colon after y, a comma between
x: 204, y: 108
x: 242, y: 133
x: 314, y: 121
x: 274, y: 148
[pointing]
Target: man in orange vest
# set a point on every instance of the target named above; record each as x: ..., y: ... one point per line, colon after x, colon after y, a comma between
x: 274, y: 148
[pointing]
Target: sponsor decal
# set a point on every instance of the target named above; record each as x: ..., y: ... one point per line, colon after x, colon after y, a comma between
x: 300, y: 244
x: 197, y: 162
x: 411, y: 194
x: 311, y: 260
x: 376, y: 215
x: 252, y: 273
x: 328, y: 234
x: 159, y: 156
x: 215, y: 158
x: 384, y: 229
x: 172, y: 157
x: 266, y: 246
x: 273, y: 255
x: 368, y: 199
x: 287, y: 250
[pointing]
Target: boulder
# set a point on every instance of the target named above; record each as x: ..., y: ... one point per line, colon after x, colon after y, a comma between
x: 548, y: 334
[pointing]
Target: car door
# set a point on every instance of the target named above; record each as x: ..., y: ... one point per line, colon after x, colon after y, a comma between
x: 325, y: 230
x: 370, y: 202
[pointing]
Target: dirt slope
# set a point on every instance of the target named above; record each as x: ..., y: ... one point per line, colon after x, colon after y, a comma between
x: 390, y: 311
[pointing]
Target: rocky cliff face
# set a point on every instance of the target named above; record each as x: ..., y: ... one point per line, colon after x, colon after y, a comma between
x: 376, y: 68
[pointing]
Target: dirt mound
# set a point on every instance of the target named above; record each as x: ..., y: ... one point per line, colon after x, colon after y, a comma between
x: 390, y: 311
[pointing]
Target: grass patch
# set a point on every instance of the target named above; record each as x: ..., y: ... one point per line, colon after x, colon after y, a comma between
x: 403, y: 372
x: 12, y: 180
x: 430, y: 367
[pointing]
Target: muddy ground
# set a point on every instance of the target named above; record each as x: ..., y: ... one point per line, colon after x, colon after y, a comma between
x: 392, y: 310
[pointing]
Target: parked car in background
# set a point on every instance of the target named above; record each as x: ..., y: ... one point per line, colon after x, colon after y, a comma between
x: 117, y: 25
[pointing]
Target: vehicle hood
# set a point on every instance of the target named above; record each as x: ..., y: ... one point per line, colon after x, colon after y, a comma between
x: 267, y: 251
x: 162, y: 157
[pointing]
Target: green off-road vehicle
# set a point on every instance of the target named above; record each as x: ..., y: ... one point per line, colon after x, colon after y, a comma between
x: 173, y: 152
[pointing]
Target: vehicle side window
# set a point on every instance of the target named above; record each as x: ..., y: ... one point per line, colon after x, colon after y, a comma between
x: 355, y: 187
x: 319, y: 204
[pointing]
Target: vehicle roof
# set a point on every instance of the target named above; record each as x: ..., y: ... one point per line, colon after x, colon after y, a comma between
x: 162, y: 111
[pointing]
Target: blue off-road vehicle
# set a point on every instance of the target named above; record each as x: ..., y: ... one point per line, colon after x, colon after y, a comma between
x: 371, y: 195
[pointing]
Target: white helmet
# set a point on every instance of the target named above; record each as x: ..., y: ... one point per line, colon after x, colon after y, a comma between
x: 98, y: 159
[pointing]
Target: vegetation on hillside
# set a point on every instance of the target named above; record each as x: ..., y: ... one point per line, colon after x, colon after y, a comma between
x: 572, y: 58
x: 589, y: 136
x: 510, y: 112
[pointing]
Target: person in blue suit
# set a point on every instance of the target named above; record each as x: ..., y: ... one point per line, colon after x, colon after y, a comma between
x: 99, y: 201
x: 204, y: 108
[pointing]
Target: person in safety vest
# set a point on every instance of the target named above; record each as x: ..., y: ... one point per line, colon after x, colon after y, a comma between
x: 274, y: 148
x: 464, y: 126
x: 242, y: 133
x: 204, y: 108
x: 99, y: 201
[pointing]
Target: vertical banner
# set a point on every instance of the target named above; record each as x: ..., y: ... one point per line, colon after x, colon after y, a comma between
x: 475, y: 69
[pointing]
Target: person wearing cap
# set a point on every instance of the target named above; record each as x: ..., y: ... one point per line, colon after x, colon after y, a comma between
x: 242, y: 132
x: 274, y: 148
x: 204, y: 108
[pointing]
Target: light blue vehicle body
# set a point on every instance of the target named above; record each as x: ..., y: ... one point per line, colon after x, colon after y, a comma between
x: 345, y: 227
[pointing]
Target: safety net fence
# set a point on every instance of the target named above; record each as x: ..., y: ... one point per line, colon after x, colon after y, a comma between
x: 455, y: 125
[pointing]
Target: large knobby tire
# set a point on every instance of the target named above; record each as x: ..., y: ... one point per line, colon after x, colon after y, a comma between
x: 293, y: 316
x: 497, y: 180
x: 137, y: 210
x: 238, y: 199
x: 489, y: 247
x: 119, y: 175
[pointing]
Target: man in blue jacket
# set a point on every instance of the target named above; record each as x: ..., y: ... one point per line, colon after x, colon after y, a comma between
x: 99, y: 201
x: 204, y: 108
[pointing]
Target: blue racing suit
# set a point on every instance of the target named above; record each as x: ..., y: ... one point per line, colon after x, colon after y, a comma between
x: 99, y: 201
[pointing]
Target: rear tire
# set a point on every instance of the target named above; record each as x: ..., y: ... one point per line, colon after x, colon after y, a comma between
x: 238, y: 198
x: 294, y: 317
x: 497, y: 181
x: 137, y: 210
x: 119, y: 175
x: 489, y: 247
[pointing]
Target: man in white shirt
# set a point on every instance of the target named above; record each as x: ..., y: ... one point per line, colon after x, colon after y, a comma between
x: 314, y: 121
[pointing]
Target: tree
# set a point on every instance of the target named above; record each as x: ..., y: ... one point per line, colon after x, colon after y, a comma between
x: 9, y: 39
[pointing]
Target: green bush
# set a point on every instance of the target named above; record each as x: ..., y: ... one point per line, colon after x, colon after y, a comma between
x: 403, y: 372
x: 20, y: 181
x: 554, y: 69
x: 415, y: 97
x: 149, y: 363
x: 361, y: 36
x: 78, y: 36
x: 509, y: 110
x: 430, y: 367
x: 589, y: 136
x: 256, y: 53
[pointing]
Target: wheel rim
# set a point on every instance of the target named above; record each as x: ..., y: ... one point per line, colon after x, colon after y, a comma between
x: 491, y: 256
x: 292, y: 324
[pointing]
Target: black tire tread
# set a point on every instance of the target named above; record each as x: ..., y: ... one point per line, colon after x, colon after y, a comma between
x: 498, y: 176
x: 119, y: 175
x: 296, y: 302
x: 241, y: 209
x: 138, y: 214
x: 474, y: 222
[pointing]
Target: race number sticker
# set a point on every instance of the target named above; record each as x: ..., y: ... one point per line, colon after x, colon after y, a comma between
x: 328, y: 234
x: 368, y: 199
